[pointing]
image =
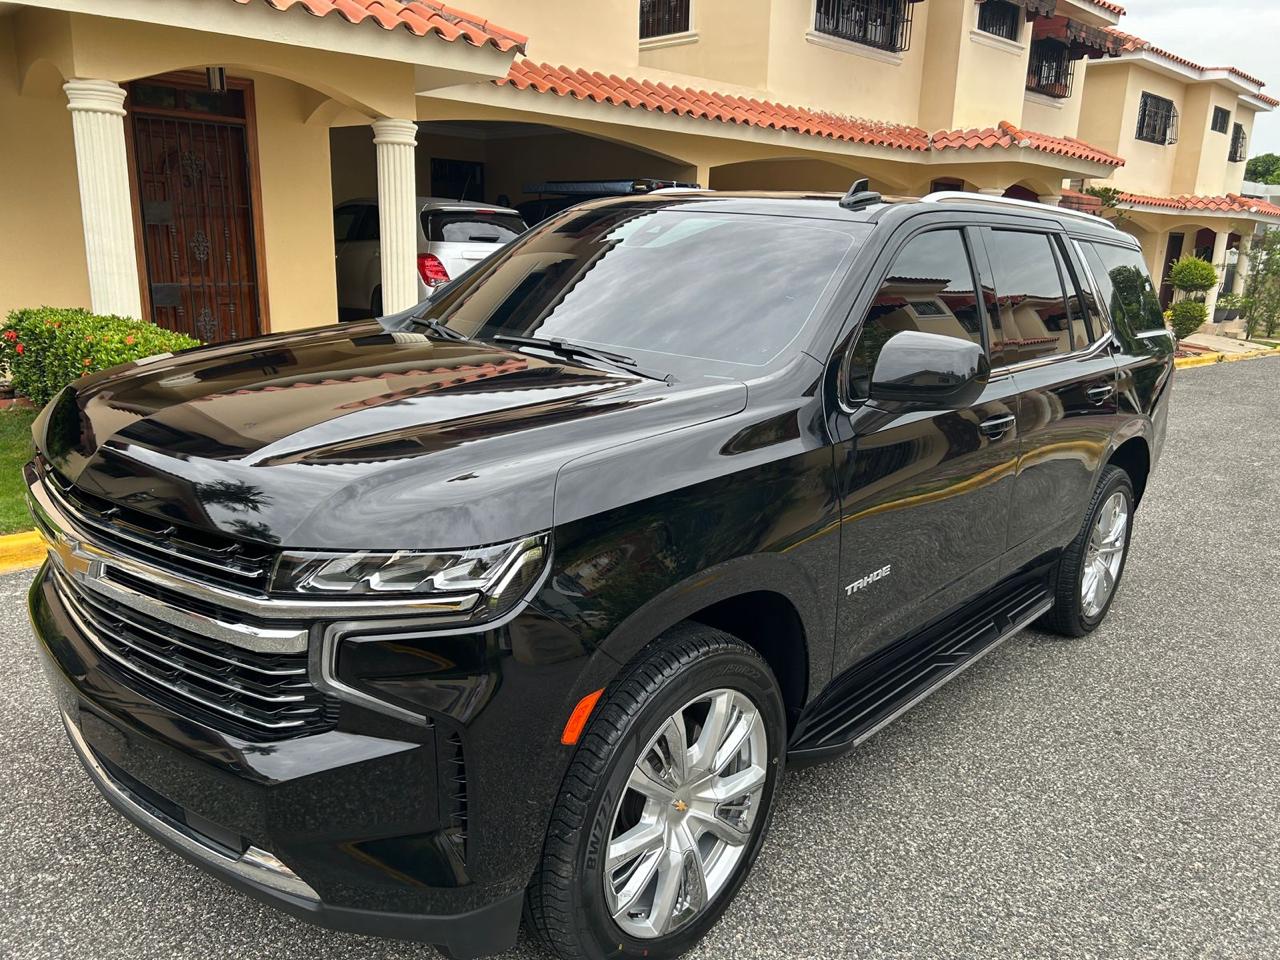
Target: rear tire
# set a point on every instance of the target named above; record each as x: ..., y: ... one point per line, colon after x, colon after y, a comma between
x: 694, y: 688
x: 1090, y: 568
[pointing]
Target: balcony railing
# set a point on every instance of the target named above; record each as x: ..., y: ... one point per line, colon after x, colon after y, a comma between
x: 659, y: 18
x: 883, y: 24
x: 1051, y: 71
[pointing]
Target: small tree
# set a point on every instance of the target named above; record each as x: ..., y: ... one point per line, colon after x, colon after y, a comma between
x: 1193, y: 276
x: 1109, y: 197
x: 1262, y: 291
x: 1187, y: 316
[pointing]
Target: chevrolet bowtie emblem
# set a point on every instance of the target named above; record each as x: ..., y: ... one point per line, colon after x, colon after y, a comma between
x: 680, y: 806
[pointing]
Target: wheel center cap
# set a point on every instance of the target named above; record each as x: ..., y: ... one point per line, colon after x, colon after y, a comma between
x: 680, y: 805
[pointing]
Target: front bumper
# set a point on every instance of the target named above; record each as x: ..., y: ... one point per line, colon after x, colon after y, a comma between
x: 263, y: 876
x: 348, y: 828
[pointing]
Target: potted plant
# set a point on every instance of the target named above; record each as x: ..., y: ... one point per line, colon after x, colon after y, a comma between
x: 1229, y: 307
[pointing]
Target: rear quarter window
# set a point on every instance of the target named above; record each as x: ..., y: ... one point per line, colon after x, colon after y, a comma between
x: 466, y: 226
x: 1126, y: 286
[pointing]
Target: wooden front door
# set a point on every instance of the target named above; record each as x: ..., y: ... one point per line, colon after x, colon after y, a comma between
x: 191, y: 158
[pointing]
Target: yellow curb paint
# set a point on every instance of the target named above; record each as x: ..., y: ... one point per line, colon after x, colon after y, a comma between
x: 1207, y: 359
x: 21, y: 551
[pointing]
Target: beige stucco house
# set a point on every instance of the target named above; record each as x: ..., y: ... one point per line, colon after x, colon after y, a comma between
x: 1184, y: 131
x: 180, y: 160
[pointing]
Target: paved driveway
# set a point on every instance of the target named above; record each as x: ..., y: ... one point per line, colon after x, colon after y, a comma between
x: 1115, y: 797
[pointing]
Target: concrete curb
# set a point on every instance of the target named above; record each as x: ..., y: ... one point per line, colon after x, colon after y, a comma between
x: 1208, y: 359
x: 21, y: 551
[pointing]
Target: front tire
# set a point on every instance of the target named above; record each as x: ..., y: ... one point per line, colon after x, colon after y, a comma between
x: 666, y: 802
x: 1090, y: 569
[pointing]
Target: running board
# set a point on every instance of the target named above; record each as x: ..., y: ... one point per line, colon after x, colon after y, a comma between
x: 877, y: 691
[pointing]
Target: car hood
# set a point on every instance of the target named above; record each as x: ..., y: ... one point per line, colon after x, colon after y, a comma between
x: 355, y: 436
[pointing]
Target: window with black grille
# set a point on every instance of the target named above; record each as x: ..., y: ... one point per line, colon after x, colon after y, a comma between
x: 658, y: 18
x: 1157, y: 120
x: 1001, y: 18
x: 883, y: 24
x: 1221, y: 119
x: 1239, y: 145
x: 1050, y: 71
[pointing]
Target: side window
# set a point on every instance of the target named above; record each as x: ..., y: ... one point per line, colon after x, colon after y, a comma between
x: 929, y: 288
x: 1032, y: 318
x: 368, y: 228
x: 1122, y: 276
x: 345, y: 220
x: 1077, y: 313
x: 1098, y: 325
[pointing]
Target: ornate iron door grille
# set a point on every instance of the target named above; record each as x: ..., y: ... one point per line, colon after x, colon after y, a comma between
x: 191, y: 160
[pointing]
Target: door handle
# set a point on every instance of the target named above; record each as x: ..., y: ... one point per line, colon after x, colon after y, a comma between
x: 1101, y: 393
x: 997, y: 427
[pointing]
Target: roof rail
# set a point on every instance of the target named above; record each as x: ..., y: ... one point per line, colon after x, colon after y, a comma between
x: 958, y: 196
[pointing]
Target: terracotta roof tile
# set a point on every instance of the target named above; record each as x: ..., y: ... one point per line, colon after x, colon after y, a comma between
x: 1231, y: 203
x: 707, y: 105
x: 1007, y: 135
x: 1108, y: 5
x: 1132, y: 44
x: 419, y: 17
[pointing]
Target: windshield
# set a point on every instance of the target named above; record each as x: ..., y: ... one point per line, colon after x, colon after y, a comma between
x: 728, y: 287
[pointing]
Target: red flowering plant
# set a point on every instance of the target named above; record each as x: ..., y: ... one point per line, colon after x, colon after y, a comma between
x: 45, y: 348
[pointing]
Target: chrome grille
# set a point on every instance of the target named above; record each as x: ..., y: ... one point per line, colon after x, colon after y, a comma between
x: 205, y: 556
x: 254, y: 696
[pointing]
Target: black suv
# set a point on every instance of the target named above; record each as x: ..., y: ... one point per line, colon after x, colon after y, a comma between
x: 523, y: 600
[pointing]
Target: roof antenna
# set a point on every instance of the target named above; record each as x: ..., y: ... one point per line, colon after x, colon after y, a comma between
x: 860, y: 195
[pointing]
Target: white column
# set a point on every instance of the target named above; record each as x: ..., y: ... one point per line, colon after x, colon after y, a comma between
x: 1244, y: 262
x: 97, y: 124
x: 1051, y: 200
x: 397, y: 208
x: 1219, y: 263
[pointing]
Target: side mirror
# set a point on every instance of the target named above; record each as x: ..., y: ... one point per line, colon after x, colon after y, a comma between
x: 929, y: 370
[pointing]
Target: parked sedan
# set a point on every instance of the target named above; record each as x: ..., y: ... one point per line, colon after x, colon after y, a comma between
x: 453, y: 236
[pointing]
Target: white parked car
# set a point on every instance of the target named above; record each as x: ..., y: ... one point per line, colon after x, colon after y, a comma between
x: 453, y: 236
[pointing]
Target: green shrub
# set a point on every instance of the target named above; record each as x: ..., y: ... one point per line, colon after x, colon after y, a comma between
x: 1187, y: 317
x: 46, y: 348
x: 1193, y: 275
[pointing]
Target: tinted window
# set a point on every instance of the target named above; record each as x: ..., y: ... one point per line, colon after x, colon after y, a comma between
x: 1098, y: 324
x: 929, y: 288
x: 726, y: 287
x: 345, y: 220
x: 368, y: 227
x: 1076, y: 310
x: 471, y: 227
x: 1031, y: 319
x: 1122, y: 276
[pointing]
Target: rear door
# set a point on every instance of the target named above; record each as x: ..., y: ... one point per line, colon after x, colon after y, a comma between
x: 1144, y: 346
x: 462, y: 238
x: 1051, y: 339
x: 924, y: 494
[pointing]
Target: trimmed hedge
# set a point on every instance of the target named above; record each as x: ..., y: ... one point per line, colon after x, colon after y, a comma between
x: 1193, y: 275
x: 1188, y: 316
x: 46, y: 348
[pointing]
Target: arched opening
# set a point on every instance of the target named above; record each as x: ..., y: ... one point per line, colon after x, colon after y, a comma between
x: 1019, y: 192
x: 788, y: 174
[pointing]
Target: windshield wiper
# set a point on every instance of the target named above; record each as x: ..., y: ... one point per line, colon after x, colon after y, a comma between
x: 439, y: 329
x: 568, y: 349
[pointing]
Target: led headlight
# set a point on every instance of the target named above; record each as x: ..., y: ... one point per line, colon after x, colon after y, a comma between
x: 496, y: 576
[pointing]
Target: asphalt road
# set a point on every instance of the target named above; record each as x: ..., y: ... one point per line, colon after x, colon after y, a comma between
x: 1114, y: 797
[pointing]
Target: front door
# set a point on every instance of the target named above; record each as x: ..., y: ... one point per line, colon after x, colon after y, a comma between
x: 192, y: 168
x: 924, y: 493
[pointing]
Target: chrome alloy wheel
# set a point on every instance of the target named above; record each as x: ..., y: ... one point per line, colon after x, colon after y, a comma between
x: 1104, y: 554
x: 684, y: 819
